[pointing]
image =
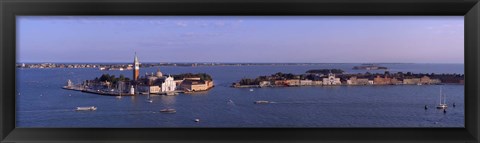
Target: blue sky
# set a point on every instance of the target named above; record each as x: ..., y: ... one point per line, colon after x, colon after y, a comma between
x: 310, y: 39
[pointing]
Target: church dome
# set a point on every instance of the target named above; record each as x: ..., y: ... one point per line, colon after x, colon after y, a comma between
x: 159, y: 74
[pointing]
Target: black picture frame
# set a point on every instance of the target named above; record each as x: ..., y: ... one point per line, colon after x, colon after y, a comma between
x: 470, y: 9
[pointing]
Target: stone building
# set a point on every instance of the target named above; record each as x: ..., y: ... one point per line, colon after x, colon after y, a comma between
x: 382, y: 81
x: 264, y: 83
x: 411, y: 81
x: 306, y: 82
x: 331, y: 80
x: 292, y: 82
x: 196, y: 85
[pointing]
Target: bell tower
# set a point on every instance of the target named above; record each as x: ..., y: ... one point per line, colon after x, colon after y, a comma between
x: 136, y: 71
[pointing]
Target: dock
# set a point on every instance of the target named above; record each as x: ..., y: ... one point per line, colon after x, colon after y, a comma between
x: 111, y: 93
x: 100, y: 92
x: 172, y: 93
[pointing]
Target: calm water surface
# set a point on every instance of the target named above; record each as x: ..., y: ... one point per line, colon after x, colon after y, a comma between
x: 42, y: 102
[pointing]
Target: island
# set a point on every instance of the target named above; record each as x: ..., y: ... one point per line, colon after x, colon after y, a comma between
x: 333, y: 77
x: 369, y: 67
x: 150, y: 83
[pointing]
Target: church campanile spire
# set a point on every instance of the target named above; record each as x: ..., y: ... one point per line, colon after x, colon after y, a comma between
x: 136, y: 71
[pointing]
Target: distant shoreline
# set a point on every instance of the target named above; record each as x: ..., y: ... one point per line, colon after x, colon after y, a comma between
x: 128, y: 66
x: 257, y: 63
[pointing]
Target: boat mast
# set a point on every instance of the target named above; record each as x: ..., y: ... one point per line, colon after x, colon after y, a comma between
x: 148, y: 97
x: 444, y: 99
x: 440, y: 95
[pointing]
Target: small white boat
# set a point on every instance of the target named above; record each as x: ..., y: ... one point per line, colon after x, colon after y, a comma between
x: 442, y: 105
x: 168, y: 111
x: 149, y: 101
x: 197, y: 120
x: 251, y: 89
x: 261, y: 102
x: 89, y: 108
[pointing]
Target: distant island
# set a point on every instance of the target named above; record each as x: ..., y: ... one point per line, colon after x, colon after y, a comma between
x: 369, y: 67
x: 320, y: 77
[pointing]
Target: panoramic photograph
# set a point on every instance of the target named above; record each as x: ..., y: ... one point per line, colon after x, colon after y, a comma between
x: 240, y: 72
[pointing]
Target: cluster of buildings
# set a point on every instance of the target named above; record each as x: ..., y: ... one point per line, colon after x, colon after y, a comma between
x: 332, y: 79
x: 55, y: 65
x: 385, y: 80
x: 159, y: 84
x: 154, y: 83
x: 329, y: 80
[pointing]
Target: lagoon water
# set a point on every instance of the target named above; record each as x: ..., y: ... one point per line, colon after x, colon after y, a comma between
x: 42, y: 103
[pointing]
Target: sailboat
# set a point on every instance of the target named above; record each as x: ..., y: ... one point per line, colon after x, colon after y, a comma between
x: 119, y: 93
x: 148, y: 98
x: 442, y: 105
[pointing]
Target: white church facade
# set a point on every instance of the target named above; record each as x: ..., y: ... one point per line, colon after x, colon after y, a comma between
x: 168, y: 85
x: 331, y: 80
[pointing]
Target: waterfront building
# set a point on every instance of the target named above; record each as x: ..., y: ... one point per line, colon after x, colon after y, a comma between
x: 196, y: 85
x: 264, y: 83
x: 396, y: 81
x: 306, y: 82
x: 438, y: 81
x: 357, y: 81
x: 317, y: 82
x: 425, y: 80
x: 292, y: 82
x: 370, y: 82
x: 411, y: 81
x: 352, y: 80
x: 169, y: 85
x: 154, y: 89
x: 136, y: 72
x: 381, y: 81
x: 363, y: 81
x: 331, y: 80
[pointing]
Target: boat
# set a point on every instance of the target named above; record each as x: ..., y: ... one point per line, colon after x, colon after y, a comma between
x: 171, y: 93
x: 148, y: 99
x: 251, y: 89
x: 89, y: 108
x: 168, y: 110
x: 442, y: 105
x: 197, y: 120
x: 261, y: 102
